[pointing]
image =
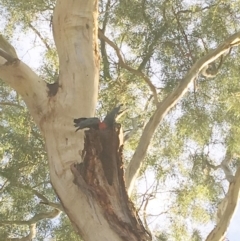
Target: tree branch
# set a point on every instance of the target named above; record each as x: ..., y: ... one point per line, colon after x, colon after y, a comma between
x: 7, y: 51
x: 29, y: 237
x: 105, y: 61
x: 127, y: 67
x: 132, y: 131
x: 54, y: 205
x: 11, y: 104
x: 195, y: 10
x: 181, y: 29
x: 36, y: 218
x: 7, y: 56
x: 32, y: 89
x: 225, y: 167
x: 168, y: 103
x: 35, y: 192
x: 45, y: 200
x: 233, y: 195
x: 40, y: 36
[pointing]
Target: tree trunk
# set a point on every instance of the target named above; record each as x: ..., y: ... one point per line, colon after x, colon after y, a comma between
x: 94, y: 198
x: 87, y: 174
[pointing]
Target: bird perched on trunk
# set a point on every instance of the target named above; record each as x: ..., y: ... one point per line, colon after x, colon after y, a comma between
x: 82, y: 123
x: 95, y: 123
x: 108, y: 140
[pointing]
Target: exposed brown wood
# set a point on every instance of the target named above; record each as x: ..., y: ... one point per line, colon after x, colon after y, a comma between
x: 101, y: 176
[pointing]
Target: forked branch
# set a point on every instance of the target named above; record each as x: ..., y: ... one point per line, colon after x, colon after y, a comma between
x: 22, y: 79
x: 168, y: 103
x: 129, y: 68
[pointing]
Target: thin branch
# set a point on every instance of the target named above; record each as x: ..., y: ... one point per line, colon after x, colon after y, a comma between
x: 225, y: 167
x: 151, y: 47
x: 168, y: 103
x: 29, y: 237
x: 157, y: 35
x: 132, y: 131
x: 2, y: 188
x: 123, y: 112
x: 106, y: 16
x: 7, y: 51
x: 11, y: 104
x: 143, y: 8
x: 35, y: 192
x: 40, y: 36
x: 26, y: 82
x: 36, y: 218
x: 45, y: 200
x: 127, y: 67
x: 184, y: 34
x: 212, y: 166
x: 196, y: 10
x: 145, y: 212
x: 54, y: 205
x: 40, y: 183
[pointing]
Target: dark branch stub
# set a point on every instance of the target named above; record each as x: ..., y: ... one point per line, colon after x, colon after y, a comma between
x: 101, y: 175
x: 52, y: 89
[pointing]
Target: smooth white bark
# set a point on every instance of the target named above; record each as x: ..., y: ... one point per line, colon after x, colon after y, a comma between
x: 167, y: 104
x: 230, y: 205
x: 32, y: 89
x: 75, y: 34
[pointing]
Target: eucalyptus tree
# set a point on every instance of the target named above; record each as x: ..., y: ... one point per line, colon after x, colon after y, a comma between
x: 175, y: 67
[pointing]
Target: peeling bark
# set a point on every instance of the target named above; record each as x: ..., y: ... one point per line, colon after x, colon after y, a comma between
x: 100, y: 175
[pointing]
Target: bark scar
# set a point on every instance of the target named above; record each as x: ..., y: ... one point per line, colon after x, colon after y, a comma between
x: 101, y: 177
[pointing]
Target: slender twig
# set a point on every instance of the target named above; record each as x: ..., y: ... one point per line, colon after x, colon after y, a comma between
x: 36, y: 218
x: 150, y: 197
x: 132, y: 131
x: 105, y: 61
x: 184, y: 35
x: 40, y: 36
x: 54, y: 205
x: 2, y: 188
x: 45, y: 200
x: 196, y: 10
x: 11, y: 104
x: 127, y: 67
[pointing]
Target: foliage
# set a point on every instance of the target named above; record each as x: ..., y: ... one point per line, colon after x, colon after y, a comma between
x: 161, y: 39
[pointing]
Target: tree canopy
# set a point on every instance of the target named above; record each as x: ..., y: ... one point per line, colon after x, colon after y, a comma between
x: 147, y: 48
